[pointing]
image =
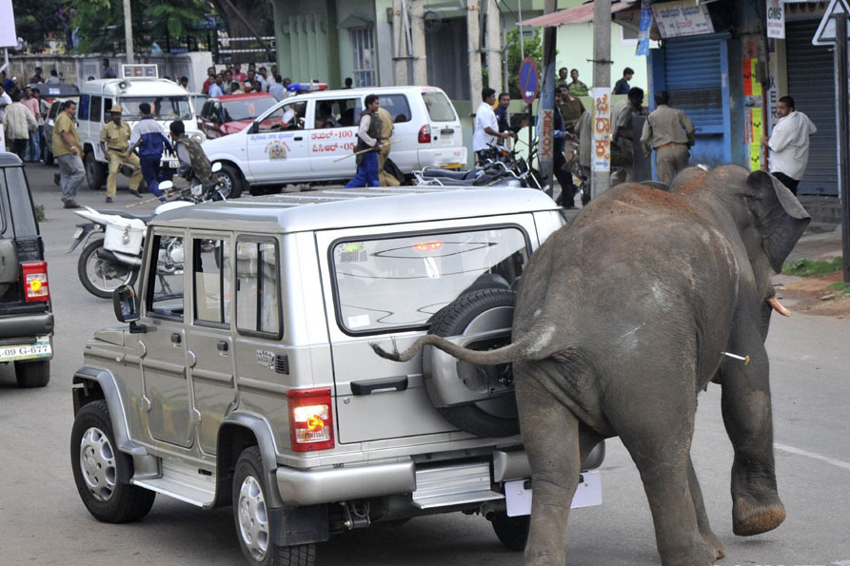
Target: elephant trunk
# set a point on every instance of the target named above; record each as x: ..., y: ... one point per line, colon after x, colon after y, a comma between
x: 534, y: 345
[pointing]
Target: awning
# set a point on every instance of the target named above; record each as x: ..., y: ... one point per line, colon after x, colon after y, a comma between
x: 577, y: 15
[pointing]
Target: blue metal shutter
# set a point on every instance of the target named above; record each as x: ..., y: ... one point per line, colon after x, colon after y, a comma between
x: 692, y: 70
x: 811, y: 83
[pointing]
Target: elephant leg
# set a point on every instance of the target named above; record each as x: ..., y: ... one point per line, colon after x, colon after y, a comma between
x: 550, y: 433
x: 756, y: 507
x: 702, y: 517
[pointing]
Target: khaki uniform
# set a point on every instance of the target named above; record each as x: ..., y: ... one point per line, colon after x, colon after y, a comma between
x: 116, y: 138
x: 670, y: 132
x: 622, y: 150
x: 65, y: 123
x: 387, y: 128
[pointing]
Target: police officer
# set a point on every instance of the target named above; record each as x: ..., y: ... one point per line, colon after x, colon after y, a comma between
x: 114, y: 141
x: 193, y: 161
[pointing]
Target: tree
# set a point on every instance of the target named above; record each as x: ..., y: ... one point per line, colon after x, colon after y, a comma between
x: 36, y: 21
x: 533, y: 47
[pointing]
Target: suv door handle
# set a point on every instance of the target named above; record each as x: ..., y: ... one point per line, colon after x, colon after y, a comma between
x: 176, y: 338
x: 366, y: 387
x: 222, y: 345
x: 298, y: 138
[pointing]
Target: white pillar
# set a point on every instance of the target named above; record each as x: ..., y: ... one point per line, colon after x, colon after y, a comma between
x: 473, y: 34
x: 494, y: 45
x: 417, y: 32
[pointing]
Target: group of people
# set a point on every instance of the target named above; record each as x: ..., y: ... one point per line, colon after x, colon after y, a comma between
x: 375, y: 128
x: 22, y: 113
x: 232, y: 80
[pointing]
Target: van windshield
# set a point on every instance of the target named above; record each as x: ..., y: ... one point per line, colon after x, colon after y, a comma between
x: 162, y: 107
x: 439, y: 107
x: 401, y: 282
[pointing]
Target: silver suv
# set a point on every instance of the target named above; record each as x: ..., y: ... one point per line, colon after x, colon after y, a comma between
x: 246, y: 375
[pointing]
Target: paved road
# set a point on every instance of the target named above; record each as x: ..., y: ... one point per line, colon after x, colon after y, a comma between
x: 42, y: 520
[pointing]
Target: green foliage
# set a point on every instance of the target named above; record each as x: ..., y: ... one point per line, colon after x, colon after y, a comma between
x: 808, y: 268
x: 533, y: 48
x: 842, y: 287
x: 36, y: 21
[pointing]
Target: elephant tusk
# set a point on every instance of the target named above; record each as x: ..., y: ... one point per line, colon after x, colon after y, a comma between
x: 777, y: 306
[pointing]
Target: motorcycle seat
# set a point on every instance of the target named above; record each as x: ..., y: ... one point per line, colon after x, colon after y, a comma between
x: 448, y: 174
x: 144, y: 218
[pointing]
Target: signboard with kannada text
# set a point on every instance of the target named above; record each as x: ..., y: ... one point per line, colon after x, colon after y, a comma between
x: 601, y: 129
x: 529, y: 81
x: 679, y: 19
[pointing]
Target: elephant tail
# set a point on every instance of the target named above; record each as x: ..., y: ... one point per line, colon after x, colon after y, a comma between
x: 532, y: 346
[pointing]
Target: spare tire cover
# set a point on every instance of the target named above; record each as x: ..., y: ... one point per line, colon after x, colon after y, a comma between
x: 476, y: 399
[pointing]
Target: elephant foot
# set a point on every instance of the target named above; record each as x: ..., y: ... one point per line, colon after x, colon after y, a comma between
x: 752, y: 518
x: 711, y: 540
x: 698, y: 555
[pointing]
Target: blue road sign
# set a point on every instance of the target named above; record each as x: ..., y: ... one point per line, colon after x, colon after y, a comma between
x: 529, y: 82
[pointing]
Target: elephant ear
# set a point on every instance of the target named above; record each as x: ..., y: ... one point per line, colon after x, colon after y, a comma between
x: 780, y: 218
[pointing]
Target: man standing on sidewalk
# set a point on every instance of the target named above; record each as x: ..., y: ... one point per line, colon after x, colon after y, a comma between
x: 789, y: 144
x: 622, y: 151
x: 486, y: 128
x: 19, y: 123
x: 368, y: 142
x: 671, y: 133
x: 150, y: 138
x: 34, y: 106
x: 114, y: 141
x: 67, y: 150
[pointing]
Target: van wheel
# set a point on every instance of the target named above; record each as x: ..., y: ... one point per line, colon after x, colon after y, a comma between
x: 488, y: 406
x: 95, y: 172
x: 97, y: 466
x: 252, y: 518
x: 512, y: 531
x: 32, y: 374
x: 230, y: 181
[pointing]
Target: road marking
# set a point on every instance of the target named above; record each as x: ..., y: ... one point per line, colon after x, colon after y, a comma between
x: 798, y: 452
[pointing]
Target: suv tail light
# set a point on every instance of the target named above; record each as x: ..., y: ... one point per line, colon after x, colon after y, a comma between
x: 425, y: 134
x: 310, y: 419
x: 35, y: 281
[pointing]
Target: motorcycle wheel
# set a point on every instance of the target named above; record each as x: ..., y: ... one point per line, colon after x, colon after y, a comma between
x: 101, y: 277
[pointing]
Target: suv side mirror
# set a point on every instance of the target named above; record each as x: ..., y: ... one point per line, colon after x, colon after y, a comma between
x: 126, y: 307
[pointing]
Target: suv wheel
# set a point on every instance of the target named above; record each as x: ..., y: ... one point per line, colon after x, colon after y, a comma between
x: 252, y: 518
x: 230, y: 181
x: 488, y: 406
x: 95, y: 172
x: 512, y: 531
x: 97, y: 467
x: 32, y: 374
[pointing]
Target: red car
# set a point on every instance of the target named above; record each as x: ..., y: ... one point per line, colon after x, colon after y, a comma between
x: 228, y: 114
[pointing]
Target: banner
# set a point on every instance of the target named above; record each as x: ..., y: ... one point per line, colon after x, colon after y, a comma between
x: 601, y: 129
x: 775, y: 19
x: 8, y: 37
x: 645, y: 25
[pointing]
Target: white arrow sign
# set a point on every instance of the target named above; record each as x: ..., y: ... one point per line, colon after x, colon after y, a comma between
x: 825, y: 35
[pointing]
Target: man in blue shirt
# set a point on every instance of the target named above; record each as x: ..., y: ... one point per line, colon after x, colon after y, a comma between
x: 150, y: 138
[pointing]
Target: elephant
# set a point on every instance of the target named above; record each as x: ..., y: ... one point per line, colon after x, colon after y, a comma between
x: 622, y: 317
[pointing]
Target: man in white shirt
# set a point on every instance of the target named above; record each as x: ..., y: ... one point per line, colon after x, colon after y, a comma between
x: 486, y: 130
x: 789, y: 144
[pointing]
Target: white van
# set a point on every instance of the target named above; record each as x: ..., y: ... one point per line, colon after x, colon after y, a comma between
x: 138, y: 84
x: 309, y: 147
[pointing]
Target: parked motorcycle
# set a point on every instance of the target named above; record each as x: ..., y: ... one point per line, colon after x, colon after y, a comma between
x: 114, y: 240
x: 499, y: 168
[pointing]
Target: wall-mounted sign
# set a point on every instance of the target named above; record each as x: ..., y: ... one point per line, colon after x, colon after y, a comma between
x: 775, y: 19
x: 678, y: 19
x: 601, y: 129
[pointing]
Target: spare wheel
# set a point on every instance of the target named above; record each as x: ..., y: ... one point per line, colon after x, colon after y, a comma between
x: 476, y: 399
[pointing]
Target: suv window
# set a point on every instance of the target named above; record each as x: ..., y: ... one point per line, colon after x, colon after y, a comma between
x: 288, y: 117
x: 336, y: 113
x: 13, y: 184
x: 83, y: 107
x: 439, y: 107
x: 165, y: 297
x: 396, y: 104
x: 258, y: 307
x: 211, y: 274
x: 107, y: 107
x: 94, y: 113
x: 401, y: 282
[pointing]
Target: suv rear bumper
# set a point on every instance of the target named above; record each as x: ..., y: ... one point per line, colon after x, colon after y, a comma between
x: 21, y: 326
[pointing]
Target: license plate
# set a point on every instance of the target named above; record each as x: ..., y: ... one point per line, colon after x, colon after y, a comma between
x: 40, y: 349
x: 588, y: 494
x: 77, y: 233
x: 452, y: 165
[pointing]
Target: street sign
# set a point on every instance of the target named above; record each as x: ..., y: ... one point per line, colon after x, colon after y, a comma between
x: 825, y: 34
x: 529, y: 83
x: 775, y: 19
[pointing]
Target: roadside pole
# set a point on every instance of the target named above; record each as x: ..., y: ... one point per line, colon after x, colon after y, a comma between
x: 547, y: 102
x: 601, y: 175
x: 843, y: 132
x: 128, y: 32
x: 473, y: 32
x: 417, y: 33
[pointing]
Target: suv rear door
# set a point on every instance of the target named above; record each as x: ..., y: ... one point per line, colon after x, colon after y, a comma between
x: 387, y: 283
x: 446, y: 135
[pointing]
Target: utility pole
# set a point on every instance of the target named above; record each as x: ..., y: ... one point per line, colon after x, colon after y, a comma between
x: 402, y: 43
x: 494, y: 45
x: 843, y: 142
x: 128, y: 32
x: 420, y: 62
x: 473, y: 33
x: 547, y: 101
x: 601, y: 177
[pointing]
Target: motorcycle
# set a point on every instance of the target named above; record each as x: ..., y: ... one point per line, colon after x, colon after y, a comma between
x: 499, y: 168
x: 114, y: 240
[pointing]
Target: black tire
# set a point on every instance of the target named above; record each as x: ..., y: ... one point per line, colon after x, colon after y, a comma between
x: 480, y: 418
x: 512, y: 531
x: 123, y: 274
x: 46, y: 154
x: 95, y: 172
x: 249, y: 497
x: 97, y: 467
x: 231, y: 181
x: 32, y: 374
